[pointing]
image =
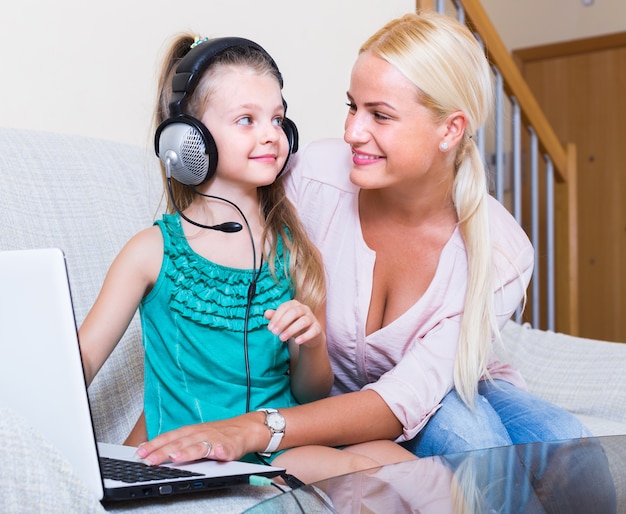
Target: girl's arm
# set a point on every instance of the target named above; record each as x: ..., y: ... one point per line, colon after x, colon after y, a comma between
x: 130, y: 277
x: 311, y: 373
x: 139, y: 433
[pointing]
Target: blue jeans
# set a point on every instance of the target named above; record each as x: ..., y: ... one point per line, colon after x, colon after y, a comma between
x: 569, y: 477
x: 503, y: 415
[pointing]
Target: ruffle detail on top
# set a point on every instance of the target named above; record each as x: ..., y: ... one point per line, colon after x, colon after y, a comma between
x: 211, y: 294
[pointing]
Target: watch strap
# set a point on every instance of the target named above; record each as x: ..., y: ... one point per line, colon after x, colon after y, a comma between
x: 275, y: 438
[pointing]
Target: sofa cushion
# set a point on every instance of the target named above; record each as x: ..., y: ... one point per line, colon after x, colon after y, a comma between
x: 584, y: 376
x: 34, y: 476
x: 87, y: 197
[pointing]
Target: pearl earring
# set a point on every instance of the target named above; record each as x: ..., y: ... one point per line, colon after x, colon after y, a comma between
x: 443, y: 146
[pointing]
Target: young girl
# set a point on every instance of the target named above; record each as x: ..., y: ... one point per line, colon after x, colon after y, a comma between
x: 230, y: 290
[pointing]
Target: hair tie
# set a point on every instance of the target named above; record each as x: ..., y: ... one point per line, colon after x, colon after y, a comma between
x: 197, y: 40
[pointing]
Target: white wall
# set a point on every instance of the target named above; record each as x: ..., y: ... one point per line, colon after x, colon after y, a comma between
x: 524, y: 23
x: 89, y: 68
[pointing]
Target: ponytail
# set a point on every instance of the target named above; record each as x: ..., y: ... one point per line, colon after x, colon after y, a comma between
x: 478, y: 324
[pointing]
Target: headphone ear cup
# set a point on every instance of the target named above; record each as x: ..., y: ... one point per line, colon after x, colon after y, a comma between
x: 291, y: 131
x: 187, y: 149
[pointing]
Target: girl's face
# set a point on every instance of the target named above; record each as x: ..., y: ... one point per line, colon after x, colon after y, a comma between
x: 394, y: 139
x: 244, y: 114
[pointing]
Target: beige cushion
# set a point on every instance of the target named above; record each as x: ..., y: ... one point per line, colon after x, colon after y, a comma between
x: 34, y: 476
x: 87, y: 197
x: 586, y: 377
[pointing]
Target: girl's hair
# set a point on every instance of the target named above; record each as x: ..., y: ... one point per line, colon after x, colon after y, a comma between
x: 304, y: 267
x: 448, y: 66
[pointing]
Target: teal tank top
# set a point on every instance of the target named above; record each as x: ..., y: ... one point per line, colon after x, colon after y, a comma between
x: 193, y: 333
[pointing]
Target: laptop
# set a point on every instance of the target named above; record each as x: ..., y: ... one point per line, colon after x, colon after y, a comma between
x: 42, y: 379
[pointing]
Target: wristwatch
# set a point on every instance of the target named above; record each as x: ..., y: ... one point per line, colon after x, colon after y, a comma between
x: 276, y: 423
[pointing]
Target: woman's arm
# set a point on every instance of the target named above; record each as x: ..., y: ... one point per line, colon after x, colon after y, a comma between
x: 130, y: 276
x: 338, y: 420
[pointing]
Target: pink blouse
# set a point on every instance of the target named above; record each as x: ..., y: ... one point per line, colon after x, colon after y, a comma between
x: 410, y: 362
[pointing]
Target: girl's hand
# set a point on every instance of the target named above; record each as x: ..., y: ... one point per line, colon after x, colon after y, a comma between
x: 295, y: 320
x: 311, y: 373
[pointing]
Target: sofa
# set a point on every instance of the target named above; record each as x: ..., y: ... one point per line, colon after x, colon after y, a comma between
x: 88, y: 197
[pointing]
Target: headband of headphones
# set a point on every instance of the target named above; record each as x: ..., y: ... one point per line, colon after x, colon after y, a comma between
x: 198, y: 59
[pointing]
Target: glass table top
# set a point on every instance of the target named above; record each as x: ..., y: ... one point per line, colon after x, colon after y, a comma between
x: 585, y: 476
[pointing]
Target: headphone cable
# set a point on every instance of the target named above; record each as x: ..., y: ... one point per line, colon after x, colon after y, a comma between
x: 228, y: 226
x: 251, y: 291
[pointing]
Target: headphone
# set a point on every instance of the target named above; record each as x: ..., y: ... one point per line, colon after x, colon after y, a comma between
x: 183, y: 142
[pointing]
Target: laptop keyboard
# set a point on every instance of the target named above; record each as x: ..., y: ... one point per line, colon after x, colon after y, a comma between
x: 130, y: 472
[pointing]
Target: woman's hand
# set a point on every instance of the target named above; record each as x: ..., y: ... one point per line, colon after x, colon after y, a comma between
x: 295, y: 320
x: 223, y: 440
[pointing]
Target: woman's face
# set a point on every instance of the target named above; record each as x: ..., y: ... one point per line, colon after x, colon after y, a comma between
x: 394, y: 139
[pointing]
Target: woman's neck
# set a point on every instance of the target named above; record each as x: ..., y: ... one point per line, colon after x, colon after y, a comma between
x: 409, y: 206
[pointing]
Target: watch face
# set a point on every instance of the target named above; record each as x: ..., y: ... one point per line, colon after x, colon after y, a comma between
x: 275, y: 421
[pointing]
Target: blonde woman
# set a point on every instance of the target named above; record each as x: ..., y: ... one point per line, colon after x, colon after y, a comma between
x: 423, y: 266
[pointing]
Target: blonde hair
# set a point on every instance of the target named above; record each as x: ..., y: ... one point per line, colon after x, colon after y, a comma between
x: 304, y: 267
x: 448, y: 66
